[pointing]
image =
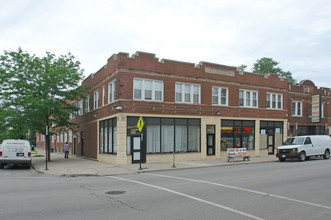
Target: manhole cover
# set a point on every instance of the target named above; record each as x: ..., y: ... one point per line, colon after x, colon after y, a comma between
x: 115, y: 192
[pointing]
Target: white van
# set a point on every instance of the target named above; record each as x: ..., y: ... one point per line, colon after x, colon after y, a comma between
x: 15, y: 152
x: 303, y: 147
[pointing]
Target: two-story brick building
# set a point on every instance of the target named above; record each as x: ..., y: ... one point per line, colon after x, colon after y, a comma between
x: 196, y: 111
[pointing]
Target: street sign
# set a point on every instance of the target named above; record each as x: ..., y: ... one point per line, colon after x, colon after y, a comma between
x: 140, y: 124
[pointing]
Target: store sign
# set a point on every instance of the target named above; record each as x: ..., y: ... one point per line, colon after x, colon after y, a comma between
x: 316, y: 108
x: 232, y: 152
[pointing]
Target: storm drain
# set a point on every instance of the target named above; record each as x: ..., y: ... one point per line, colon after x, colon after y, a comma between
x: 115, y: 192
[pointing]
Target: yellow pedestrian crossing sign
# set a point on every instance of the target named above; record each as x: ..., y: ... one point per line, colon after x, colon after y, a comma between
x: 140, y: 124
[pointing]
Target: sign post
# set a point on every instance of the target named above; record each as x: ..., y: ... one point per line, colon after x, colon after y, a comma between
x: 140, y: 126
x: 46, y: 152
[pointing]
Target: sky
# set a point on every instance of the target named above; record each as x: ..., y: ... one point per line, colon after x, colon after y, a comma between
x: 295, y: 33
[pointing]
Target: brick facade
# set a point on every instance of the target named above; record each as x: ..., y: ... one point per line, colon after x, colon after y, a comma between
x: 124, y: 69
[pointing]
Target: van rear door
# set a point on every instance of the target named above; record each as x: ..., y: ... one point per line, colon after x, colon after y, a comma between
x: 18, y: 150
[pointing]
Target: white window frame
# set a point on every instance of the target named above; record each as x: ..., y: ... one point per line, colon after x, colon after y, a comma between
x: 80, y: 107
x: 96, y: 99
x: 103, y: 95
x: 249, y: 93
x: 183, y: 87
x: 111, y: 91
x: 295, y: 108
x: 274, y: 97
x: 65, y: 136
x: 70, y: 136
x: 219, y: 96
x: 87, y: 103
x: 143, y: 86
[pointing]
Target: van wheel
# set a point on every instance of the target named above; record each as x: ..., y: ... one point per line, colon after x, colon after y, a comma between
x: 326, y: 154
x: 302, y: 156
x: 2, y: 165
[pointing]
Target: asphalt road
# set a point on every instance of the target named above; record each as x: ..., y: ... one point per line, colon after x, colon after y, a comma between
x: 289, y: 190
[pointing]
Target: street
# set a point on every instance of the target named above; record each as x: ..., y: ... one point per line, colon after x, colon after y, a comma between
x: 274, y: 190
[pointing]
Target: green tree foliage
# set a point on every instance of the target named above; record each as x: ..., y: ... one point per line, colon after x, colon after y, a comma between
x: 267, y: 65
x: 242, y: 68
x: 37, y: 92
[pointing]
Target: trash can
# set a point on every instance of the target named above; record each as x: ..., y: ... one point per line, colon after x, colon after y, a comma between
x: 52, y: 150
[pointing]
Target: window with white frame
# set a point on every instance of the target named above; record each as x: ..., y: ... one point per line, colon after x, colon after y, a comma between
x: 274, y: 101
x: 147, y: 89
x: 111, y: 91
x: 65, y: 136
x: 80, y: 107
x: 103, y: 95
x: 322, y: 110
x: 96, y: 99
x: 70, y: 136
x: 219, y: 96
x: 248, y: 98
x: 296, y: 108
x: 187, y: 93
x: 87, y: 103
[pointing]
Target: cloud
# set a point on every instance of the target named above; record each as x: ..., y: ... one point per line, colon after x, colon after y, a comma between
x: 292, y: 32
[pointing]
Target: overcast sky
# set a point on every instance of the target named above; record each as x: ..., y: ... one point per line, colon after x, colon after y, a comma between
x: 296, y: 33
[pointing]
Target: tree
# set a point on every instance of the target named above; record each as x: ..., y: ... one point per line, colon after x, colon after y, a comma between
x: 242, y: 68
x: 37, y: 93
x: 267, y: 65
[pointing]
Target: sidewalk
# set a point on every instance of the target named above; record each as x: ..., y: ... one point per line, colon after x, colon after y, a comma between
x: 77, y: 166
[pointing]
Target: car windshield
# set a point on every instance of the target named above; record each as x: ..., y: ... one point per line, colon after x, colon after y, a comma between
x: 294, y: 141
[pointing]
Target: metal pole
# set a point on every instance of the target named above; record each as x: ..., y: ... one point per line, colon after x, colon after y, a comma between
x: 173, y: 152
x: 46, y: 154
x: 141, y: 141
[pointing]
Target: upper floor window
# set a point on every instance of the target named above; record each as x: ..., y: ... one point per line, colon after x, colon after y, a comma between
x: 219, y: 96
x: 87, y: 103
x: 274, y: 101
x: 96, y: 99
x: 80, y: 107
x: 111, y: 91
x: 103, y: 95
x: 248, y: 98
x: 322, y: 110
x: 147, y: 89
x: 296, y: 108
x: 187, y: 93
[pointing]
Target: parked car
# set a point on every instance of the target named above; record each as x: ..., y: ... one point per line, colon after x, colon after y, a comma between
x: 303, y: 147
x: 15, y: 152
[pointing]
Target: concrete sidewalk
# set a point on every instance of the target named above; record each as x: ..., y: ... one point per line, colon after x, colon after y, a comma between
x: 78, y: 166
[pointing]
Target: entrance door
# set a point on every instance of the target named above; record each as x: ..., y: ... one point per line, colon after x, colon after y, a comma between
x: 136, y: 149
x: 271, y: 142
x: 210, y: 144
x: 210, y: 140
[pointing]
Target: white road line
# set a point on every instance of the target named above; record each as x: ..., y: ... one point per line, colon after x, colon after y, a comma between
x: 190, y: 197
x: 243, y: 189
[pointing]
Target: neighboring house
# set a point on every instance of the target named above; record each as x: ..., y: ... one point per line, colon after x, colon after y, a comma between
x: 198, y: 110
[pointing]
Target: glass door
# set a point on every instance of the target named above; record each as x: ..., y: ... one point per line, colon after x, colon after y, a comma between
x: 136, y: 149
x: 210, y: 140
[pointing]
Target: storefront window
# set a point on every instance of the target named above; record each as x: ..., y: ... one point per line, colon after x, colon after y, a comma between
x: 107, y: 136
x: 163, y: 135
x: 237, y: 134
